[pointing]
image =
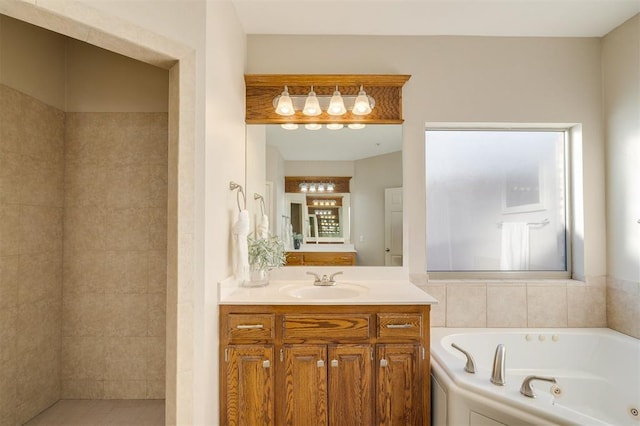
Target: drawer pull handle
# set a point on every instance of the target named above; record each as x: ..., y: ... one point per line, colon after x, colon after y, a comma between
x: 383, y: 363
x: 399, y: 325
x: 266, y: 364
x: 249, y: 326
x: 320, y: 363
x: 334, y: 363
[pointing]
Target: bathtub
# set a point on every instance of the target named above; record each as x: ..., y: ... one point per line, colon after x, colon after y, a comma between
x: 597, y: 372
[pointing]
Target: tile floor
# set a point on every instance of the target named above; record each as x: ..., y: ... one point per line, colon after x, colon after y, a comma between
x: 72, y: 412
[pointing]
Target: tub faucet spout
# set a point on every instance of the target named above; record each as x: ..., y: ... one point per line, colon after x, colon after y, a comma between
x: 471, y: 366
x: 498, y: 372
x: 527, y: 390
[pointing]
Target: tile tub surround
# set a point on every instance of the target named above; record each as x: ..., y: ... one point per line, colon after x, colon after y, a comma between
x: 623, y: 306
x: 497, y: 303
x: 114, y: 268
x: 31, y: 226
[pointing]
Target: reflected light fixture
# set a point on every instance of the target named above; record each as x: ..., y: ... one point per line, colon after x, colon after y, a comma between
x: 304, y: 187
x: 362, y: 105
x: 284, y: 105
x: 356, y: 126
x: 330, y: 187
x: 335, y: 126
x: 317, y: 187
x: 336, y: 104
x: 289, y: 126
x: 312, y: 105
x: 313, y: 126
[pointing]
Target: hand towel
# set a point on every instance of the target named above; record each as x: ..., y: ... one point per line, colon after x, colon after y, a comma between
x: 263, y: 228
x: 240, y: 233
x: 515, y: 246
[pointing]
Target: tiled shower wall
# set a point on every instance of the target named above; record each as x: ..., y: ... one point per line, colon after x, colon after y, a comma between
x: 31, y: 223
x: 115, y: 237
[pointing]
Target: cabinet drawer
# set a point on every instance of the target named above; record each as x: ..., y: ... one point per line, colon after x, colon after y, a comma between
x: 328, y: 326
x: 400, y: 325
x: 250, y: 326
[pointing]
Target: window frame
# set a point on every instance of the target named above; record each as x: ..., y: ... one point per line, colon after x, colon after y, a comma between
x: 566, y: 129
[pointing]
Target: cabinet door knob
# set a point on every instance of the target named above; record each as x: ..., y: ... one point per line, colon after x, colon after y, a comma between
x: 334, y: 362
x: 383, y: 362
x: 266, y: 364
x: 320, y: 363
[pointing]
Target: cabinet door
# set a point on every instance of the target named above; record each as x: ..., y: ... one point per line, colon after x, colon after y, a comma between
x: 305, y: 385
x: 350, y: 385
x: 398, y: 385
x: 249, y: 390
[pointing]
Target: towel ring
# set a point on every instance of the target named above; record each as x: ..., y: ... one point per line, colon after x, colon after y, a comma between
x: 257, y: 196
x: 234, y: 186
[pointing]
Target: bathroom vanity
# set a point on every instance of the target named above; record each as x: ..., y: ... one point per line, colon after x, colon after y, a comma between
x: 356, y: 353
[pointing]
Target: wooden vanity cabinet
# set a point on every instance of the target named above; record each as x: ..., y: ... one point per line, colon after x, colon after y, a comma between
x: 324, y: 365
x: 318, y: 258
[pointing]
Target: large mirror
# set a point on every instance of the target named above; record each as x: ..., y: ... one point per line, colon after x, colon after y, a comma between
x: 366, y: 220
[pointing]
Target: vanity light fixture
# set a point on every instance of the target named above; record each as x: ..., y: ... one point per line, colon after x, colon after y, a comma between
x: 284, y: 105
x: 313, y: 126
x: 304, y: 187
x: 312, y: 105
x: 330, y: 187
x: 321, y: 187
x: 356, y: 126
x: 312, y: 187
x: 335, y: 126
x: 362, y: 105
x: 336, y: 104
x: 317, y: 187
x: 289, y: 126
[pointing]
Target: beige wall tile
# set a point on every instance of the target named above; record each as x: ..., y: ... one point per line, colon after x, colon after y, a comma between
x: 157, y: 318
x: 506, y: 305
x: 622, y: 311
x: 466, y: 305
x: 127, y: 272
x: 85, y: 184
x: 128, y: 186
x: 158, y: 229
x: 9, y: 281
x: 40, y: 229
x: 90, y: 137
x: 155, y: 358
x: 84, y: 315
x: 83, y: 358
x: 125, y: 359
x: 43, y: 132
x: 157, y: 271
x: 38, y: 375
x: 41, y: 182
x: 128, y: 229
x: 11, y: 120
x: 547, y: 306
x: 40, y: 277
x: 586, y: 306
x: 82, y: 389
x: 38, y: 326
x: 125, y: 389
x: 155, y: 389
x: 438, y: 311
x: 8, y: 327
x: 126, y: 315
x: 8, y: 391
x: 11, y: 238
x: 84, y: 272
x: 85, y: 228
x: 158, y: 184
x: 10, y: 177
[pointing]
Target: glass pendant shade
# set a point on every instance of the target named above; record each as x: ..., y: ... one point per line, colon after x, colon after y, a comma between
x: 311, y: 105
x: 362, y: 106
x: 285, y: 105
x: 336, y: 104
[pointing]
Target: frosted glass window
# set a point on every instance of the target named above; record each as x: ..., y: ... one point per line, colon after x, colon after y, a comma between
x: 496, y: 200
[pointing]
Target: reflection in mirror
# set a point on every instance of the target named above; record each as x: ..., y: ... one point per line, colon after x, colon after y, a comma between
x: 365, y: 224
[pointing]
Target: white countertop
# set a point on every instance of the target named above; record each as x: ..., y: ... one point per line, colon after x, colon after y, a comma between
x: 373, y: 292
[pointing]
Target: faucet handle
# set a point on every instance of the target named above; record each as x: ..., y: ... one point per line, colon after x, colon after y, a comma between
x: 471, y: 366
x: 527, y: 390
x: 315, y: 276
x: 333, y: 275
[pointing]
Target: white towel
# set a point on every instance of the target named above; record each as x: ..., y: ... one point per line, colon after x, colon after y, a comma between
x: 263, y: 228
x: 515, y: 246
x: 240, y: 233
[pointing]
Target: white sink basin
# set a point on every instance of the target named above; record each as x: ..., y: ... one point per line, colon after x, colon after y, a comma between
x: 313, y: 292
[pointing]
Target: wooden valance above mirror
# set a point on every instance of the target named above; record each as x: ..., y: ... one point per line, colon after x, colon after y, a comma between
x: 341, y: 183
x: 262, y: 89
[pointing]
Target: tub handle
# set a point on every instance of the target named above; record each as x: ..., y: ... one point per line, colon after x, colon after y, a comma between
x: 526, y: 388
x: 471, y: 366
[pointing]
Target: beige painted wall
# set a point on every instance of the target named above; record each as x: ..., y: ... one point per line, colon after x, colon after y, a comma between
x: 621, y: 77
x: 467, y: 79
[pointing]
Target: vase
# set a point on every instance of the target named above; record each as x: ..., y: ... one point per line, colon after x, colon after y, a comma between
x: 296, y: 244
x: 258, y: 277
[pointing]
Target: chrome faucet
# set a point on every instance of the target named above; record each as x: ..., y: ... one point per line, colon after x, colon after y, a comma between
x: 324, y: 281
x: 527, y: 390
x: 471, y: 366
x: 497, y: 374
